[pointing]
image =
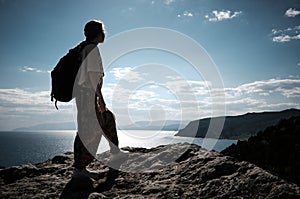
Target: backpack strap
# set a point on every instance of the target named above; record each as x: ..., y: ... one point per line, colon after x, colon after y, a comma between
x: 56, y: 105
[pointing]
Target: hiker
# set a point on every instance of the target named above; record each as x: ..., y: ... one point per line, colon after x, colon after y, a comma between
x: 90, y: 114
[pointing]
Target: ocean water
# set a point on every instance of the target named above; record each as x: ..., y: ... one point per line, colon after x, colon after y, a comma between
x: 18, y: 148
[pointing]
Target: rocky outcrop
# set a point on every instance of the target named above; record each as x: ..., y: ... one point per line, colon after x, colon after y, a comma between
x: 148, y: 173
x: 276, y: 149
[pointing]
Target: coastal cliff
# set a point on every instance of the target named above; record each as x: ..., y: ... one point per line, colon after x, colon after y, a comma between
x: 239, y: 127
x: 276, y: 149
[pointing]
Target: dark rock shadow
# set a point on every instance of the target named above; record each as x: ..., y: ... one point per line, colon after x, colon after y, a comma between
x: 109, y: 182
x: 78, y: 188
x: 81, y: 188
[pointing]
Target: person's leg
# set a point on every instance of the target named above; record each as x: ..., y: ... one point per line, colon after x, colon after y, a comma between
x: 88, y: 138
x: 108, y: 126
x: 107, y: 123
x: 111, y: 133
x: 82, y: 157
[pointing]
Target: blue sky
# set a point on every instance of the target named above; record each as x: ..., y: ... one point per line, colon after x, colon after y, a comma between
x: 255, y: 46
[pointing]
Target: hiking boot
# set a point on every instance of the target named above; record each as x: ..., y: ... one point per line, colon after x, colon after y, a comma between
x: 84, y: 173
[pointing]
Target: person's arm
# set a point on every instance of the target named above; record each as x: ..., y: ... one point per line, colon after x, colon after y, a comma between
x: 96, y: 82
x: 95, y: 73
x: 102, y: 105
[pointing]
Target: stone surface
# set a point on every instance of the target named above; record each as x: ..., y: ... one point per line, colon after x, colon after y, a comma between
x: 196, y: 174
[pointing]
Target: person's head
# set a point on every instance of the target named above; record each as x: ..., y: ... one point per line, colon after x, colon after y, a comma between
x: 94, y: 31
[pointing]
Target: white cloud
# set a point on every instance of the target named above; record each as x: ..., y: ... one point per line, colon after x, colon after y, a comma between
x: 216, y: 15
x: 285, y: 35
x: 285, y: 87
x: 23, y: 97
x: 168, y: 2
x: 274, y: 31
x: 33, y: 69
x: 289, y: 93
x: 188, y: 14
x: 267, y: 95
x: 292, y: 12
x: 126, y: 74
x: 185, y: 14
x: 285, y: 38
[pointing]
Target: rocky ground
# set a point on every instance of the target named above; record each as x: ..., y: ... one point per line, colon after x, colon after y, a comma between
x: 148, y: 173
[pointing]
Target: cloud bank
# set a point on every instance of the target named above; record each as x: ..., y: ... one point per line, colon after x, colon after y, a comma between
x: 21, y: 107
x: 126, y: 74
x: 285, y: 35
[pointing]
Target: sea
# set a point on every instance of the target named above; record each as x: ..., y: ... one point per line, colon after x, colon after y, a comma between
x: 17, y: 148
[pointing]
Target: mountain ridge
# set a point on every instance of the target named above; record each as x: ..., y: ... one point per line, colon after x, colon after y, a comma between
x: 239, y: 127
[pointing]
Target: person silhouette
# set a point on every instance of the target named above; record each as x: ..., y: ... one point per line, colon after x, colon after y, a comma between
x: 93, y: 118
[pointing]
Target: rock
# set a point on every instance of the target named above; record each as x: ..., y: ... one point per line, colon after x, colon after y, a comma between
x: 96, y: 196
x: 77, y: 187
x: 62, y: 159
x: 12, y: 174
x: 148, y: 173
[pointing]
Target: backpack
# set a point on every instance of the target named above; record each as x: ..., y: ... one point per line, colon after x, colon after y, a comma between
x: 64, y: 74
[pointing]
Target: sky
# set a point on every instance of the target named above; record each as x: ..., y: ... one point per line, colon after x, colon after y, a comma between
x: 253, y: 46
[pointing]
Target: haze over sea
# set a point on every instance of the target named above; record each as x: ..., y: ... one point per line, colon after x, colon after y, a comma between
x: 18, y: 148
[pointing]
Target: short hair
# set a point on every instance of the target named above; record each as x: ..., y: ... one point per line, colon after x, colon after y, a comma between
x: 93, y: 28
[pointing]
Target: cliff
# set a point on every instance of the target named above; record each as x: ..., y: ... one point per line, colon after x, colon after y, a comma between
x: 239, y: 127
x: 276, y: 149
x: 148, y: 173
